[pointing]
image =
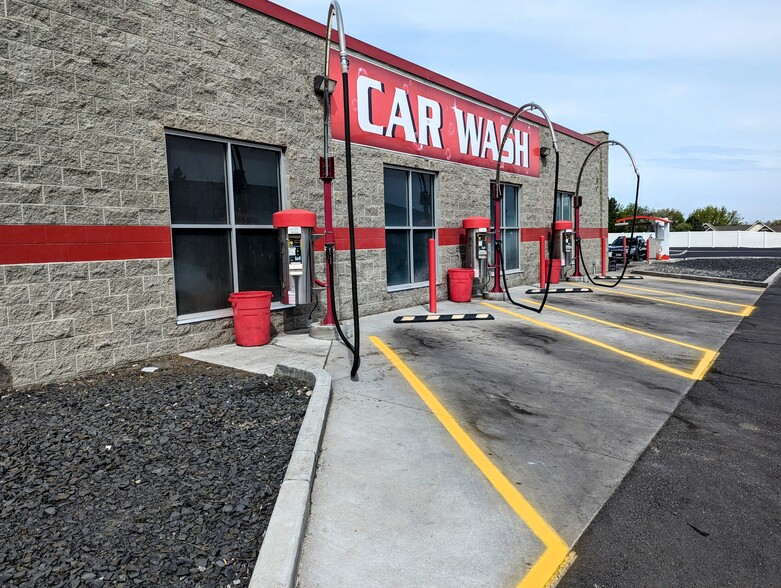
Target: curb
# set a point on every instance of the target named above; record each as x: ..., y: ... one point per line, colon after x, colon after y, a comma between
x: 702, y: 278
x: 773, y: 278
x: 277, y: 563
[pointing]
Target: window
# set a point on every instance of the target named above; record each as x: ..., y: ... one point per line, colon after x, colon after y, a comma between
x: 511, y: 225
x: 223, y: 238
x: 564, y: 206
x: 409, y: 224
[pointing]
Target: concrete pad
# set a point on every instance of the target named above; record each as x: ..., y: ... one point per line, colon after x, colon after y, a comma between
x: 329, y: 332
x: 396, y: 501
x: 297, y: 350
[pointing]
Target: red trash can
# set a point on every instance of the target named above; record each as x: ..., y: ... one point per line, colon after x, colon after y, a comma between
x: 459, y: 283
x: 555, y: 276
x: 251, y: 317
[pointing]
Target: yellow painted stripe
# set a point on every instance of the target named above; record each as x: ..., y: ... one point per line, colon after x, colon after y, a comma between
x: 676, y: 294
x: 625, y: 328
x: 555, y: 549
x: 758, y: 289
x: 704, y: 365
x: 663, y: 301
x: 638, y: 358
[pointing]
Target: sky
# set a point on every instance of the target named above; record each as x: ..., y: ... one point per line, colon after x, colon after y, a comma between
x: 692, y: 88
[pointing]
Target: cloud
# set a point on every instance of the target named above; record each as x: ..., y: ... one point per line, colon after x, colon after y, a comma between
x: 682, y: 29
x: 723, y: 164
x: 691, y: 87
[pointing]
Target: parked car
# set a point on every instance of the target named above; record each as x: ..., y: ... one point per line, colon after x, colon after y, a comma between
x: 635, y: 248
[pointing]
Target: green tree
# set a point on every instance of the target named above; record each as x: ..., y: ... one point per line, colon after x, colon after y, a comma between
x: 694, y: 223
x: 613, y: 208
x: 677, y: 222
x: 626, y: 211
x: 717, y: 215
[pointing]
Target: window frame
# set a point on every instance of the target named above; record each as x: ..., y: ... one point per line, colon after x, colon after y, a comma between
x: 231, y: 225
x: 410, y: 228
x: 505, y: 227
x: 560, y: 195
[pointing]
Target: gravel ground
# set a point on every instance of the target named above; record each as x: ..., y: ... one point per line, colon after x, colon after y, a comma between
x: 756, y: 269
x: 154, y: 479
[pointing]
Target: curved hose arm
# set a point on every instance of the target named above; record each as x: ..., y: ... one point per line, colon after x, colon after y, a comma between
x: 596, y: 147
x: 333, y: 10
x: 594, y: 150
x: 527, y: 108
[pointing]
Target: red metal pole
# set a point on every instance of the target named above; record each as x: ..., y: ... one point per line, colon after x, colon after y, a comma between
x: 497, y: 236
x: 604, y: 256
x: 432, y: 276
x: 624, y: 245
x: 577, y: 273
x: 327, y: 174
x: 542, y: 262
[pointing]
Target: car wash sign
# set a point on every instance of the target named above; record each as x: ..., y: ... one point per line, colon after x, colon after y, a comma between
x: 393, y: 112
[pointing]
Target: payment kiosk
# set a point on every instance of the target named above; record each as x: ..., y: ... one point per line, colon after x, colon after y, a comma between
x: 296, y: 228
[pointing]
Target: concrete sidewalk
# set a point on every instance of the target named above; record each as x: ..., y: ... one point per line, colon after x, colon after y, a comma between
x: 396, y: 501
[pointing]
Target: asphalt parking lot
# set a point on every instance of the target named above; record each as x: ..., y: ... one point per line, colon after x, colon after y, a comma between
x: 501, y: 439
x: 701, y: 507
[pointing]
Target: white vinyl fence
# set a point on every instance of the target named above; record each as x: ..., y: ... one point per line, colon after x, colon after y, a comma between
x: 716, y: 239
x: 725, y: 239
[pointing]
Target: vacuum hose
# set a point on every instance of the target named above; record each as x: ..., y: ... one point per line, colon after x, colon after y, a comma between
x: 634, y: 212
x: 351, y: 228
x: 498, y: 239
x: 334, y: 10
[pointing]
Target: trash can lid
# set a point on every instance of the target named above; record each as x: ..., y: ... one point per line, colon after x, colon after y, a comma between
x: 294, y: 217
x: 476, y: 222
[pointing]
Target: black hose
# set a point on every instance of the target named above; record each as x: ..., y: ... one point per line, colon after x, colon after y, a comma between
x: 351, y: 226
x: 634, y: 214
x: 315, y: 307
x: 334, y: 10
x: 626, y: 256
x: 329, y: 265
x: 550, y: 250
x: 498, y: 237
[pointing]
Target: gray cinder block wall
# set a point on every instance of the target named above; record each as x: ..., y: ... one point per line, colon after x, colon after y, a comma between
x: 87, y: 90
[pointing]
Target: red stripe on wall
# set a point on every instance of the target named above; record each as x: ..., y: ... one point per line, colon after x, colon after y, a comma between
x: 529, y: 234
x: 451, y: 236
x: 592, y: 233
x: 365, y: 238
x: 534, y: 234
x: 67, y: 243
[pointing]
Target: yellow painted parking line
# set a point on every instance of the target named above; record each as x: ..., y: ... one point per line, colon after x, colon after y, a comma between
x: 556, y: 551
x: 745, y: 312
x: 689, y: 296
x: 704, y: 365
x: 624, y: 327
x: 696, y: 374
x: 710, y: 284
